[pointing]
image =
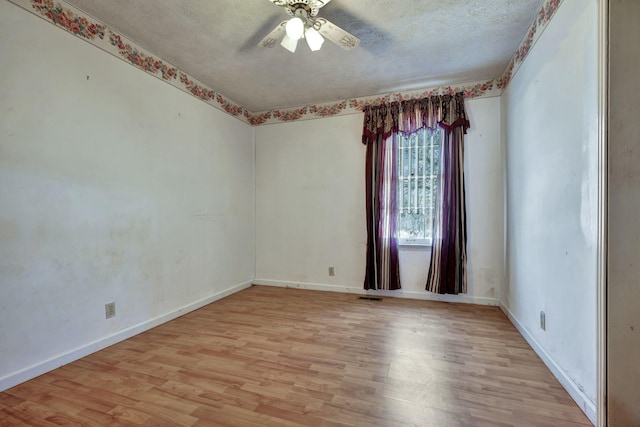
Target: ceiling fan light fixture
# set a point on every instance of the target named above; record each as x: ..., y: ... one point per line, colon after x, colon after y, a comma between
x: 289, y: 43
x: 295, y: 28
x: 304, y: 22
x: 314, y: 39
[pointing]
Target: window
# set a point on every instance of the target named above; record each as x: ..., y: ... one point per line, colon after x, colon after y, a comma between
x: 418, y: 164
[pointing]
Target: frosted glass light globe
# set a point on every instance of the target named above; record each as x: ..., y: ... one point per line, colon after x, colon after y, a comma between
x: 295, y: 28
x: 314, y: 39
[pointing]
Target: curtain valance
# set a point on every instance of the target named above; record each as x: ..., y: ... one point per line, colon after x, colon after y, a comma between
x: 406, y: 117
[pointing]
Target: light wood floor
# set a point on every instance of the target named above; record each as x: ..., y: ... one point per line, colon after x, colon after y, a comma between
x: 287, y: 357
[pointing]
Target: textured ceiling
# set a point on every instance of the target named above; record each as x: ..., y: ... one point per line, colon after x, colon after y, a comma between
x: 406, y: 44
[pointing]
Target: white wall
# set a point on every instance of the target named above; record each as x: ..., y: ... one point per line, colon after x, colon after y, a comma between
x: 310, y: 207
x: 309, y: 201
x: 623, y: 372
x: 550, y: 128
x: 114, y: 186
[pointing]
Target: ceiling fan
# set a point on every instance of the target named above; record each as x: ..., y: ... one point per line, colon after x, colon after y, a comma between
x: 306, y: 24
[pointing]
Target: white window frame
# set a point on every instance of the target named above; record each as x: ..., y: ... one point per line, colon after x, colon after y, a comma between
x: 413, y: 192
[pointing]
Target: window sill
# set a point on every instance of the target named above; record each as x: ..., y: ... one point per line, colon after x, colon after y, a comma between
x: 414, y: 245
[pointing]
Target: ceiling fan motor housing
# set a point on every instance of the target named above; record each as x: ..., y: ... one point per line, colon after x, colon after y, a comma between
x: 307, y: 8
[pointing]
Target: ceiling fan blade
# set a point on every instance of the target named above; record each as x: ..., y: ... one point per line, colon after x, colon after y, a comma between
x: 279, y: 2
x: 272, y: 38
x: 336, y: 34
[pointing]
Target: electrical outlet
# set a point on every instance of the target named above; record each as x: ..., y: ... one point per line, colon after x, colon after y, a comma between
x: 332, y: 271
x: 543, y: 321
x: 110, y: 310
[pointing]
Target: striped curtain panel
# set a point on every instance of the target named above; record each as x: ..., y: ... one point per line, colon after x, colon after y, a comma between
x: 383, y: 270
x: 448, y: 267
x: 382, y: 123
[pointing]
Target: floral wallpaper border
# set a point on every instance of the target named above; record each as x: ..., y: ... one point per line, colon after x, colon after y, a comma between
x: 542, y: 19
x: 65, y: 16
x: 355, y: 105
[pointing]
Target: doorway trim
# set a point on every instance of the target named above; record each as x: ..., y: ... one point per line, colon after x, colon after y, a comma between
x: 601, y: 285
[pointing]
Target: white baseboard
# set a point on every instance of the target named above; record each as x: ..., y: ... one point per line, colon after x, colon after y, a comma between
x: 38, y: 369
x: 587, y: 406
x: 466, y: 299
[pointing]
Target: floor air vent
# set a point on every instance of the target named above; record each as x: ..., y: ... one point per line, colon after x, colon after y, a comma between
x: 371, y: 298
